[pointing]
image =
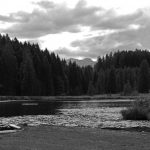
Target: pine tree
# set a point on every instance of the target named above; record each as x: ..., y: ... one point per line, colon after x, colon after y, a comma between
x: 47, y: 77
x: 100, y: 84
x: 59, y: 86
x: 28, y: 81
x: 111, y: 81
x: 127, y: 89
x: 91, y: 89
x: 119, y: 81
x: 144, y: 77
x: 87, y: 76
x: 8, y: 70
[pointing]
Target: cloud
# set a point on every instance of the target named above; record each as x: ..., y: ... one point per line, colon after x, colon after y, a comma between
x: 128, y: 33
x: 45, y: 4
x: 51, y: 18
x: 126, y: 39
x: 67, y: 53
x: 111, y: 20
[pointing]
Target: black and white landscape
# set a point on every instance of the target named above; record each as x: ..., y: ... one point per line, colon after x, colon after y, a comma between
x: 74, y: 75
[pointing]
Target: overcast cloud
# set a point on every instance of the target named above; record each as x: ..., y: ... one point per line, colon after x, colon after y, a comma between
x: 113, y: 31
x: 51, y: 18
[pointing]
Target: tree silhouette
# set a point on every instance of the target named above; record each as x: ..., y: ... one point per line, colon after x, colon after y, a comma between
x: 144, y: 77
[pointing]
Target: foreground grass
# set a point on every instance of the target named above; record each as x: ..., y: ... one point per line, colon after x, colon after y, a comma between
x: 64, y: 138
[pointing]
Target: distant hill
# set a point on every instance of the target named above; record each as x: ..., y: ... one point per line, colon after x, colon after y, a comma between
x: 84, y: 62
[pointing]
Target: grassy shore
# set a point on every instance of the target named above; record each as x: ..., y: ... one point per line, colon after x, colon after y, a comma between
x: 65, y: 138
x: 73, y: 98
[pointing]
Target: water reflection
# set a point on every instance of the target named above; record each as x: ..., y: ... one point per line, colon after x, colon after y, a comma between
x: 20, y: 108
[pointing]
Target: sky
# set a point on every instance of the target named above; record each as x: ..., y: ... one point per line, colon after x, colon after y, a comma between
x: 78, y: 28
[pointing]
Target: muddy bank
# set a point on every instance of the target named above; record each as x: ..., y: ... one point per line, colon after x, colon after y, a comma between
x: 66, y: 138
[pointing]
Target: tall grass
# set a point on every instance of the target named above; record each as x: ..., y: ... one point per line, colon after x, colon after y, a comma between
x: 140, y: 110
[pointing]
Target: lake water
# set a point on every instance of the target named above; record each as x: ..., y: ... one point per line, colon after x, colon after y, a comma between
x: 93, y: 114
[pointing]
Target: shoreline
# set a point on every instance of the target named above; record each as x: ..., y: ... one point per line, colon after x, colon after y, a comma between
x: 74, y: 98
x: 73, y: 138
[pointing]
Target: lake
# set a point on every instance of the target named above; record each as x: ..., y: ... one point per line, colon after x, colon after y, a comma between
x: 91, y: 114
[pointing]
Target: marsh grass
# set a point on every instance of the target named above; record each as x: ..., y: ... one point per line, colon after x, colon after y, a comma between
x: 140, y: 110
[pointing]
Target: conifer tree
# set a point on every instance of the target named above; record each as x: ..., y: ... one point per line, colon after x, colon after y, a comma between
x: 8, y: 70
x: 91, y: 89
x: 111, y: 81
x: 100, y: 84
x: 29, y: 83
x: 144, y: 77
x: 127, y: 89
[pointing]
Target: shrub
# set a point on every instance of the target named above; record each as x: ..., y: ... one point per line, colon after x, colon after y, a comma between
x: 140, y: 110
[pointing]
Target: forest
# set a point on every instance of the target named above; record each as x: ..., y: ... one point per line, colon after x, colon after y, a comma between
x: 27, y: 70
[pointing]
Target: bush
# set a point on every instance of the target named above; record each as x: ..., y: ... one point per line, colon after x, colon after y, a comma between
x: 140, y: 110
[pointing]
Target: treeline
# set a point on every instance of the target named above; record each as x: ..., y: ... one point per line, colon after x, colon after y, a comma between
x: 123, y: 72
x: 25, y: 69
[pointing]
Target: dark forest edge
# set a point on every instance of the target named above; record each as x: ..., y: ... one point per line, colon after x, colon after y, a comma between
x: 25, y: 69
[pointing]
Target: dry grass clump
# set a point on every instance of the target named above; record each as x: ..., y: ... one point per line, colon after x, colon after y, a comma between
x: 140, y: 110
